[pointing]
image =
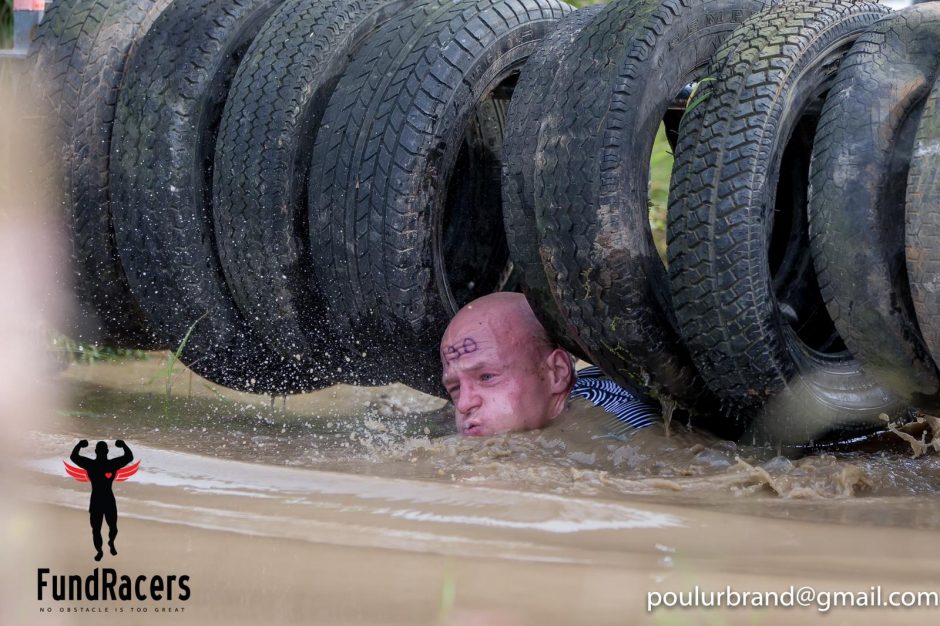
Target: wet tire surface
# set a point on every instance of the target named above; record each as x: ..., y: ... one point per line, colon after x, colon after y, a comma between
x: 610, y: 95
x: 856, y: 222
x: 161, y: 170
x: 755, y: 349
x: 262, y: 163
x: 77, y: 62
x: 407, y: 156
x: 519, y: 157
x: 922, y: 229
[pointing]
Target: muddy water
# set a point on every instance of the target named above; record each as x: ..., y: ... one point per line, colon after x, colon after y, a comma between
x: 396, y: 432
x: 361, y: 506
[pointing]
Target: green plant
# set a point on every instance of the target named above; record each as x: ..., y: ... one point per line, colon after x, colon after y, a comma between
x: 171, y: 359
x: 78, y: 352
x: 448, y: 594
x: 661, y: 161
x: 6, y: 24
x: 696, y: 98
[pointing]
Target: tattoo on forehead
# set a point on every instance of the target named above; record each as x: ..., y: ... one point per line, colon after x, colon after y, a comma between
x: 455, y: 351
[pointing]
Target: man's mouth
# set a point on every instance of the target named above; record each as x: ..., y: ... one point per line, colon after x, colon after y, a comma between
x: 473, y: 428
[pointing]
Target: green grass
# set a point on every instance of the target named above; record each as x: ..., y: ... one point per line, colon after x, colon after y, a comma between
x: 10, y: 85
x: 448, y: 594
x: 6, y: 24
x: 171, y: 360
x: 78, y: 352
x: 660, y: 172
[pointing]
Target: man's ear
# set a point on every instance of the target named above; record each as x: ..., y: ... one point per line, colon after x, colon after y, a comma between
x: 560, y: 371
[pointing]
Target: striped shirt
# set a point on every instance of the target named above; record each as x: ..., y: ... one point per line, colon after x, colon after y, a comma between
x: 634, y: 413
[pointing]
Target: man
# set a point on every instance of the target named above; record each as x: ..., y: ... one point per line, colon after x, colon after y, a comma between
x: 101, y: 473
x: 504, y: 374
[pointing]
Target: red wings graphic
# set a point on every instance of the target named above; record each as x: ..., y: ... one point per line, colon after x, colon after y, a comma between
x: 82, y: 476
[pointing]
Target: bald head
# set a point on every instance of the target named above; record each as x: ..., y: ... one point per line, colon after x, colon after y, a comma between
x: 507, y: 315
x: 500, y: 368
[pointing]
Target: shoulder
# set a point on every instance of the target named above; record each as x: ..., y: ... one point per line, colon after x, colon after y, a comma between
x: 592, y: 385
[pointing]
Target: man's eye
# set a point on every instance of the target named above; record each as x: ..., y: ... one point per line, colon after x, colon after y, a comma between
x: 486, y: 377
x: 453, y: 390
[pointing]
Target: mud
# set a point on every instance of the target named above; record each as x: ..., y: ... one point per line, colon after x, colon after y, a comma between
x: 361, y: 506
x: 397, y: 432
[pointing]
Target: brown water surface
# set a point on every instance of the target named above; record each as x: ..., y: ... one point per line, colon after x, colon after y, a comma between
x: 361, y: 506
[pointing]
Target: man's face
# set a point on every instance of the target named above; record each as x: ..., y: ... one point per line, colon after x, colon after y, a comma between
x: 496, y: 376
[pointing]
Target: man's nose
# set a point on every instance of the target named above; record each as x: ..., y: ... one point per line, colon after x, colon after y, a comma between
x: 468, y: 399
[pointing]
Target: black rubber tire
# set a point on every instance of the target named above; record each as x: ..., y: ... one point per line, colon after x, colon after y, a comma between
x: 922, y: 227
x: 405, y: 218
x: 262, y: 163
x: 856, y: 222
x: 725, y: 209
x: 520, y: 151
x: 161, y: 174
x: 610, y: 95
x: 77, y: 62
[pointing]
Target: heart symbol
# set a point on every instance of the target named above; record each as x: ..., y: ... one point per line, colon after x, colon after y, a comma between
x: 107, y: 474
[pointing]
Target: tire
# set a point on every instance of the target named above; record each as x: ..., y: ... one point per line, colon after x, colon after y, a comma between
x: 263, y: 159
x: 519, y: 155
x: 738, y: 241
x: 161, y: 172
x: 922, y: 226
x: 856, y: 223
x: 405, y: 217
x: 610, y: 95
x: 77, y: 62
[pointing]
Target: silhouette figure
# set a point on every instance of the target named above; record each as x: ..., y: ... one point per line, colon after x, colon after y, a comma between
x: 101, y: 472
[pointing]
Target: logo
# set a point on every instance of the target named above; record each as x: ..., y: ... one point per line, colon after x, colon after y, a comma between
x: 101, y: 472
x: 107, y: 584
